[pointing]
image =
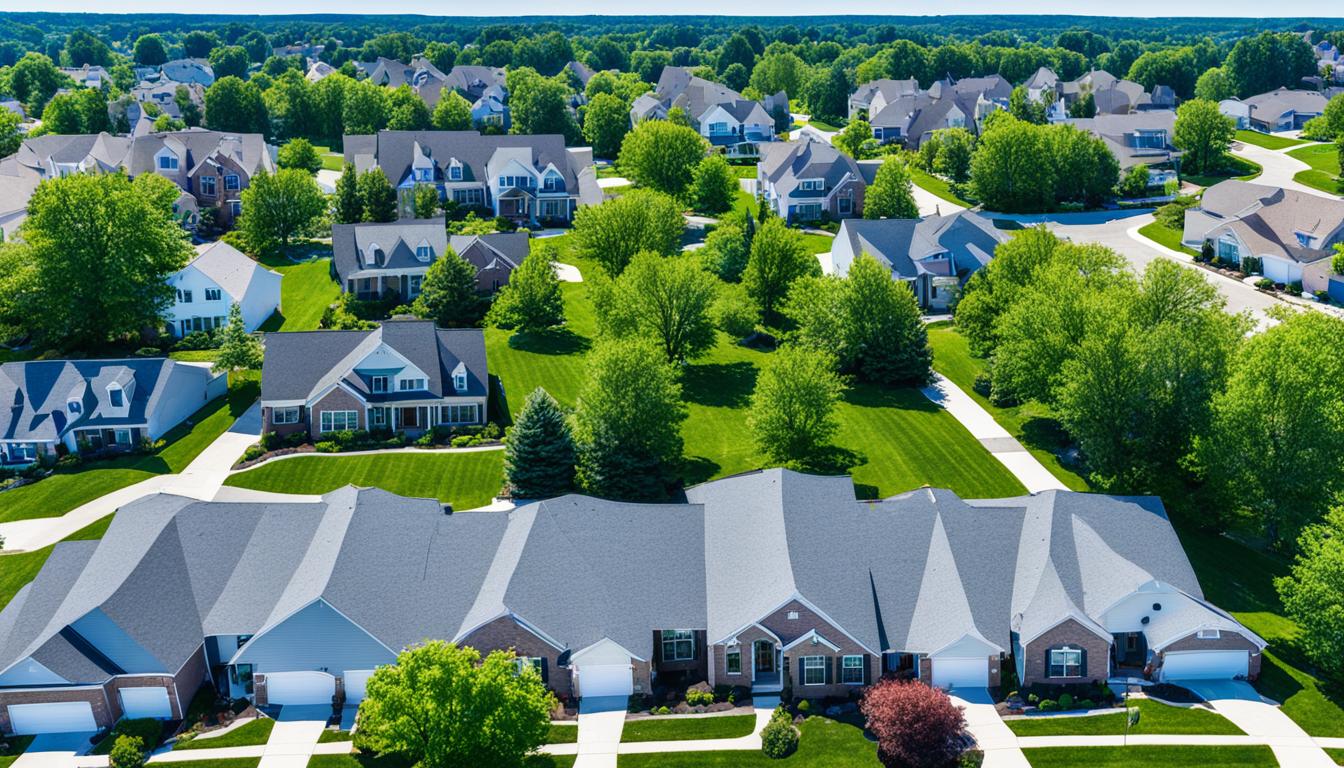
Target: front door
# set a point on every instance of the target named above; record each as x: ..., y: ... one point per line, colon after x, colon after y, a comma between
x: 410, y: 417
x: 765, y: 656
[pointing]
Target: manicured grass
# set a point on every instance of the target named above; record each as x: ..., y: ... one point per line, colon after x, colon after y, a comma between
x: 937, y: 186
x: 1146, y: 757
x: 744, y: 171
x: 1267, y: 140
x: 1324, y: 171
x: 358, y: 760
x: 465, y: 480
x: 251, y: 734
x: 1033, y: 424
x: 1240, y: 580
x: 13, y: 747
x: 563, y: 734
x: 305, y: 294
x: 66, y: 490
x: 1164, y: 235
x: 1154, y: 718
x: 329, y: 736
x: 814, y: 243
x: 227, y: 762
x: 195, y: 355
x: 148, y: 730
x: 823, y: 743
x: 687, y: 728
x: 1233, y: 168
x: 822, y: 125
x: 1337, y: 755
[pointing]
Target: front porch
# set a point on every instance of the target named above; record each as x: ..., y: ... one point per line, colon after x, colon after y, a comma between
x: 767, y: 674
x: 417, y: 418
x: 384, y: 286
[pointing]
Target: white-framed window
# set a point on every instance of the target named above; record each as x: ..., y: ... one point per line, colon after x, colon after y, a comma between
x: 285, y: 415
x: 460, y: 382
x: 116, y: 397
x: 21, y: 452
x: 455, y: 173
x: 424, y: 174
x: 1209, y: 634
x: 526, y: 662
x: 810, y: 185
x: 732, y: 661
x: 814, y: 670
x: 377, y: 384
x: 678, y: 645
x: 213, y: 294
x: 793, y: 615
x: 424, y: 252
x: 416, y: 282
x: 718, y: 129
x: 410, y: 385
x: 851, y: 670
x: 336, y: 421
x: 459, y: 414
x: 553, y: 182
x: 236, y: 207
x: 167, y: 162
x: 183, y: 297
x: 1066, y: 662
x: 231, y: 182
x: 378, y: 417
x: 123, y: 436
x: 468, y: 197
x: 208, y: 186
x: 845, y: 205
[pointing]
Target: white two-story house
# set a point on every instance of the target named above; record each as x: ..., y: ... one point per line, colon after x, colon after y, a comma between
x: 219, y: 277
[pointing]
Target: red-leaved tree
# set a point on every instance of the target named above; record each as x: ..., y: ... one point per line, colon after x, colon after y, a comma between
x: 916, y: 726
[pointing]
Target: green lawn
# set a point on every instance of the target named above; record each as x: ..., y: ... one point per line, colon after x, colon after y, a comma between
x: 13, y: 747
x: 822, y: 125
x: 1324, y: 171
x: 465, y: 480
x: 195, y: 355
x: 1146, y: 757
x: 1154, y: 718
x: 357, y: 760
x: 1164, y: 235
x: 1337, y: 755
x: 1240, y: 580
x: 563, y: 734
x: 1266, y: 140
x: 227, y: 762
x: 305, y: 293
x: 251, y: 734
x: 329, y: 736
x: 824, y: 743
x: 1031, y: 423
x: 66, y: 490
x: 687, y: 728
x: 19, y: 568
x: 937, y: 186
x: 1233, y: 168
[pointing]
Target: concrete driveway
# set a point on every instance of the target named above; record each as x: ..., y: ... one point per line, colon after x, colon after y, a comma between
x: 1258, y: 717
x: 601, y: 720
x: 54, y: 750
x: 1279, y: 167
x: 297, y: 729
x: 984, y: 724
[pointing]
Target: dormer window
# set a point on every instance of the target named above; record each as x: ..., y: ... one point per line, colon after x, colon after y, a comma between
x: 371, y: 256
x: 424, y: 174
x: 460, y: 381
x: 1304, y: 240
x: 553, y: 182
x: 116, y: 397
x: 410, y: 385
x: 231, y: 182
x: 810, y: 185
x: 455, y: 172
x: 423, y: 251
x: 74, y: 406
x: 167, y: 161
x: 378, y: 384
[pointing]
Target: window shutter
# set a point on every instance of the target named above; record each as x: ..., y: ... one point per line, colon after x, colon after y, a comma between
x: 1048, y: 669
x: 829, y: 667
x: 545, y: 670
x: 867, y: 659
x: 1082, y: 662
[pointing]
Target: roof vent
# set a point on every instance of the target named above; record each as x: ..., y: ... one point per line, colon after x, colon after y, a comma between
x: 1144, y: 621
x: 1157, y: 606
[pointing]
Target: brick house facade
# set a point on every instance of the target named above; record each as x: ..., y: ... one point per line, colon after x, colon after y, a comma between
x: 1068, y: 634
x: 504, y: 633
x: 1226, y: 641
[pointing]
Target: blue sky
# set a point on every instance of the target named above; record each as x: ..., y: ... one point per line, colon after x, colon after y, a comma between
x: 774, y: 7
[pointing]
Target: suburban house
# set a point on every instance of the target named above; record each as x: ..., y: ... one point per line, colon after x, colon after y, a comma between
x: 1278, y: 110
x: 769, y: 581
x: 1291, y: 233
x: 404, y: 375
x: 527, y: 179
x: 1112, y: 95
x: 934, y: 255
x: 210, y: 167
x: 899, y: 111
x: 88, y: 76
x: 810, y: 181
x: 724, y: 117
x: 69, y: 405
x: 219, y: 277
x: 482, y: 87
x: 318, y: 70
x: 196, y: 71
x: 1138, y: 138
x: 371, y: 260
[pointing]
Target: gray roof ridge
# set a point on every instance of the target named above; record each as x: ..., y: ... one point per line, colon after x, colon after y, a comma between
x: 489, y: 603
x: 309, y: 579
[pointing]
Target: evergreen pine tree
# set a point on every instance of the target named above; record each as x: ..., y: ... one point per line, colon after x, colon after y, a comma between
x: 539, y: 455
x: 346, y: 207
x: 448, y: 295
x: 377, y: 197
x: 239, y: 348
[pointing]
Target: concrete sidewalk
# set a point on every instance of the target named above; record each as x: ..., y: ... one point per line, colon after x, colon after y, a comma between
x: 998, y: 743
x: 1261, y: 720
x: 982, y: 426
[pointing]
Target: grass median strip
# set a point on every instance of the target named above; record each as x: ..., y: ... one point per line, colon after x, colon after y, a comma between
x: 563, y: 734
x: 1324, y: 171
x: 822, y: 743
x: 1267, y: 140
x: 247, y: 735
x: 689, y: 728
x: 1154, y: 718
x: 1147, y: 756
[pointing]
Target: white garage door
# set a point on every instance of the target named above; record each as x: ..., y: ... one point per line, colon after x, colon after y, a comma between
x: 970, y: 672
x: 146, y: 702
x: 356, y: 684
x: 300, y: 688
x: 605, y: 680
x: 28, y: 719
x: 1204, y: 665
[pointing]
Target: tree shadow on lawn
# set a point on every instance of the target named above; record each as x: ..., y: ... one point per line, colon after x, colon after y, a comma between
x: 866, y: 395
x: 1046, y: 434
x: 722, y: 385
x: 558, y: 341
x: 697, y: 469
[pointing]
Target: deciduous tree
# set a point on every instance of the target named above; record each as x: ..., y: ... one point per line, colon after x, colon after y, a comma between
x: 661, y: 155
x: 235, y: 106
x: 916, y: 725
x: 792, y: 413
x: 777, y: 259
x: 531, y: 301
x: 377, y: 198
x: 713, y: 185
x: 606, y: 120
x: 641, y: 220
x: 664, y: 299
x: 890, y: 195
x: 448, y: 294
x: 1204, y: 134
x: 452, y: 113
x: 852, y: 137
x: 150, y: 51
x: 1313, y: 593
x: 278, y: 207
x: 299, y: 153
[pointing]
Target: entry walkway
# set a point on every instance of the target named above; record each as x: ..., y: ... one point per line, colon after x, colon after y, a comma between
x: 982, y: 426
x: 602, y: 720
x: 995, y: 739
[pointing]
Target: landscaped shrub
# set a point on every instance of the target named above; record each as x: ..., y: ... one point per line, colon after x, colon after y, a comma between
x: 326, y: 446
x: 1264, y: 284
x: 1048, y: 705
x: 915, y: 725
x: 1065, y: 701
x: 779, y: 738
x: 1033, y: 698
x: 699, y: 698
x: 1294, y: 288
x: 803, y: 707
x: 1087, y: 704
x: 127, y: 752
x: 662, y: 711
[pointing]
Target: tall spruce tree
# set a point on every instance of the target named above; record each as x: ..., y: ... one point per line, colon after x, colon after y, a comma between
x: 346, y: 205
x: 539, y: 456
x: 239, y: 349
